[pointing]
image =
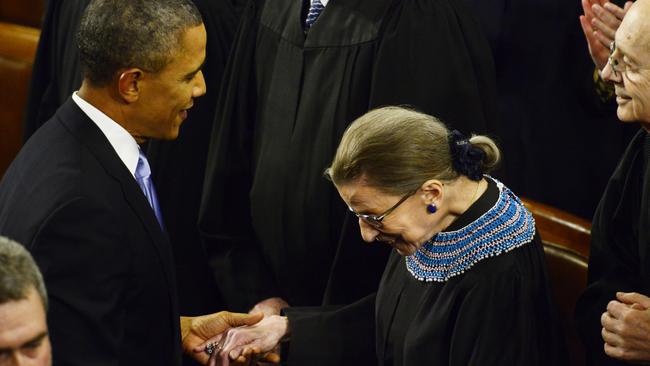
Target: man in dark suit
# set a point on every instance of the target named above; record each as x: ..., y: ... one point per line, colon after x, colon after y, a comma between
x: 79, y: 195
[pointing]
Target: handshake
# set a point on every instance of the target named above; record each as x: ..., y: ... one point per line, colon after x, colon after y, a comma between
x: 226, y: 338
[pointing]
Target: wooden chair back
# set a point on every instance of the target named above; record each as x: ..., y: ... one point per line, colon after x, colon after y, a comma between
x: 566, y: 245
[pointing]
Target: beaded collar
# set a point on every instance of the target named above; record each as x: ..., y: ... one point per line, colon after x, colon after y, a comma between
x: 504, y: 227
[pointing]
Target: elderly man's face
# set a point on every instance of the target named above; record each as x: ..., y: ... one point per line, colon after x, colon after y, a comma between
x: 167, y: 96
x: 23, y: 333
x: 631, y: 65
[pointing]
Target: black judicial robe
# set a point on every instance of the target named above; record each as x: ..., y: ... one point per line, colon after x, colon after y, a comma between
x: 271, y: 221
x: 618, y: 259
x: 554, y: 128
x: 498, y: 312
x: 177, y: 166
x: 56, y: 73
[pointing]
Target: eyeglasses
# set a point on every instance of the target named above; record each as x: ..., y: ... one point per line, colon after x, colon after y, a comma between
x: 376, y: 220
x: 618, y: 63
x: 614, y: 62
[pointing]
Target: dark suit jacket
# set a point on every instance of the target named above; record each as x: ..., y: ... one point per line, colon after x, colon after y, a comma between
x: 107, y: 264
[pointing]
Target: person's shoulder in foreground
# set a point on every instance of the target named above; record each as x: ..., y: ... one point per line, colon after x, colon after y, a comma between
x: 24, y: 339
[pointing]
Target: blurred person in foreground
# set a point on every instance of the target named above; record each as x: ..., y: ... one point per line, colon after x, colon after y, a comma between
x: 24, y: 339
x: 466, y: 283
x: 613, y: 314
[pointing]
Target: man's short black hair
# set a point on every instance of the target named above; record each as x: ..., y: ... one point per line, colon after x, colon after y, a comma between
x: 116, y: 34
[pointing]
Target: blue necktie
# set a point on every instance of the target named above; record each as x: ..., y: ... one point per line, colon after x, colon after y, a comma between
x: 143, y: 177
x: 314, y: 11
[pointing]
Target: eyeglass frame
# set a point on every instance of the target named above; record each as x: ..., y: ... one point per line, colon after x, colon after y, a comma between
x: 376, y: 220
x: 613, y: 63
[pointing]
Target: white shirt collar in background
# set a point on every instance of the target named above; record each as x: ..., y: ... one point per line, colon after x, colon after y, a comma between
x: 123, y: 143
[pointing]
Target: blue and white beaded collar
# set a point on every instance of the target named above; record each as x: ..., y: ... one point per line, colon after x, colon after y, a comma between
x: 504, y: 227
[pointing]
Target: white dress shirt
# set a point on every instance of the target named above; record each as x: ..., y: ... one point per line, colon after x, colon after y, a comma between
x: 123, y: 143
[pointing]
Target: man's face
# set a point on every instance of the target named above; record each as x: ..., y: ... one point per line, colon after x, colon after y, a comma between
x: 23, y: 333
x: 166, y: 96
x: 631, y: 72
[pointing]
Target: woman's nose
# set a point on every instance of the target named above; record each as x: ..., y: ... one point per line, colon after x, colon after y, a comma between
x: 368, y: 232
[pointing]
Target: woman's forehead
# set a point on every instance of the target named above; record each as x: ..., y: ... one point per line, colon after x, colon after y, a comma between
x: 363, y: 196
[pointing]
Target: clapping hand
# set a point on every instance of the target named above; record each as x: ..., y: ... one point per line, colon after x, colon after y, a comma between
x: 599, y: 23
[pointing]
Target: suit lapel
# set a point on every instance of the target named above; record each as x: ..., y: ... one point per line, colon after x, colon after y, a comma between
x: 87, y: 132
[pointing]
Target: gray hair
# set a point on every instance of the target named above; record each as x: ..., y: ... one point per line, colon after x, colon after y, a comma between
x: 18, y: 273
x: 117, y: 34
x: 397, y: 149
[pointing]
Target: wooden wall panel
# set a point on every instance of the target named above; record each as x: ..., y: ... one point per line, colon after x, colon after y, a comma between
x: 23, y: 12
x: 17, y: 49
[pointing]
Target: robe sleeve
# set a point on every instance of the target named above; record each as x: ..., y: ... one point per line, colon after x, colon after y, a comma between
x: 613, y: 257
x: 225, y: 223
x: 334, y: 335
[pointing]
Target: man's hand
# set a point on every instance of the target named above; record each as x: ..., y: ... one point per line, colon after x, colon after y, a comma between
x: 599, y: 23
x: 197, y: 330
x: 251, y: 343
x: 270, y: 306
x: 626, y: 328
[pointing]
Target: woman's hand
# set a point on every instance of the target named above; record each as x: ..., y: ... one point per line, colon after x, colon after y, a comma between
x: 196, y: 330
x: 242, y: 344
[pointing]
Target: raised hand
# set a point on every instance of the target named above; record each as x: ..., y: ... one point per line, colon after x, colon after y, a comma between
x: 599, y: 23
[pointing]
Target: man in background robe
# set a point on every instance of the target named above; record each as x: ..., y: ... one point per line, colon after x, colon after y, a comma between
x: 613, y: 314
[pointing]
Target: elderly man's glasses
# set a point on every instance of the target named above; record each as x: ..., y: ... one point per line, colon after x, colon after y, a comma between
x: 617, y: 66
x: 376, y: 220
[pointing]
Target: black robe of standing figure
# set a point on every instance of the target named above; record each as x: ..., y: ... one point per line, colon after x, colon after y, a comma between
x: 272, y: 222
x: 555, y: 128
x: 620, y: 244
x: 177, y: 166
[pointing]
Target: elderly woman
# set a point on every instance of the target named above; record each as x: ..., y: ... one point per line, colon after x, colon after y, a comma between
x: 466, y: 283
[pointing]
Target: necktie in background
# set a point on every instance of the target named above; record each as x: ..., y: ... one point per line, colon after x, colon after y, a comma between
x: 314, y: 11
x: 143, y: 177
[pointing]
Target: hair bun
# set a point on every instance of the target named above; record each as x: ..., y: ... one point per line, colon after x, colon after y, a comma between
x: 467, y: 159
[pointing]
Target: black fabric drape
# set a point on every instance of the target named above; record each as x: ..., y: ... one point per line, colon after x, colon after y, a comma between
x: 560, y: 142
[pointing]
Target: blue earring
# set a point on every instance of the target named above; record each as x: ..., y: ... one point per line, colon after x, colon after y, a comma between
x: 431, y: 208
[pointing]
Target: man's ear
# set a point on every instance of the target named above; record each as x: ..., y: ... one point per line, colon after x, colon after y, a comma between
x: 129, y: 84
